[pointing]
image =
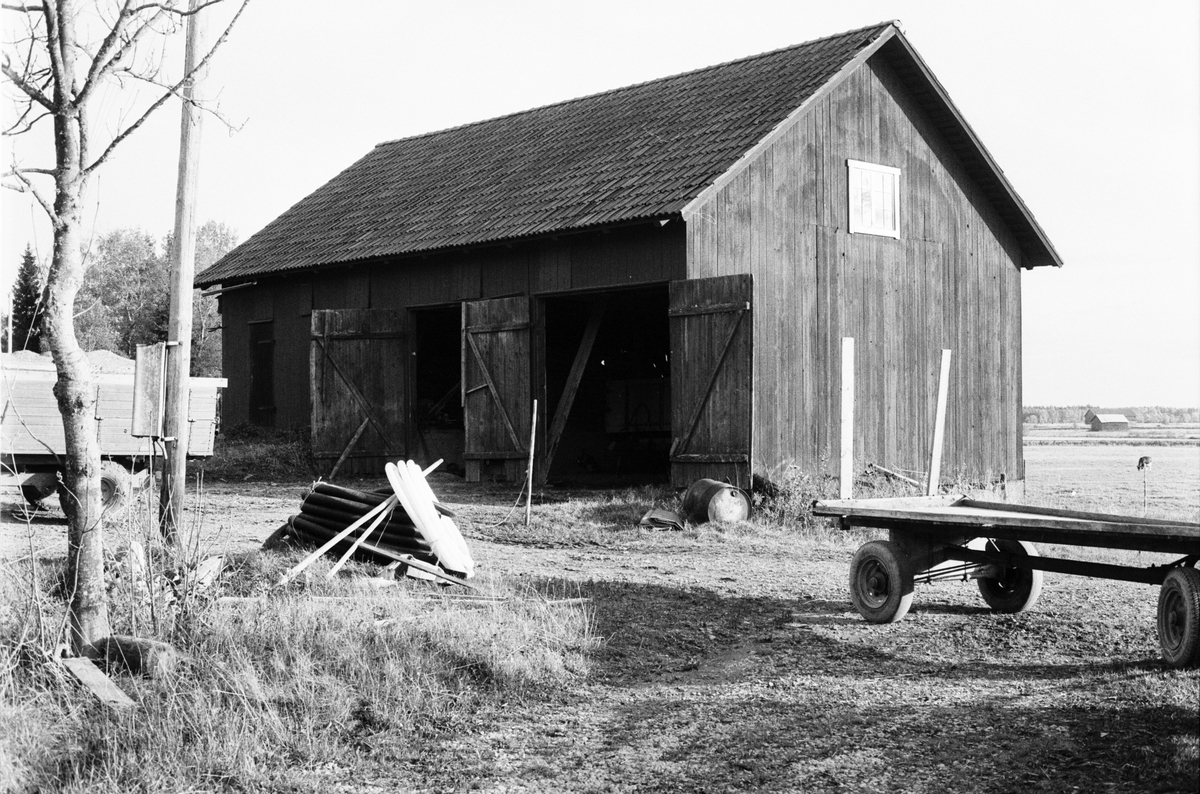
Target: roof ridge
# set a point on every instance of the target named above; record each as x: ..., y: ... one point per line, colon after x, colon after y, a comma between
x: 879, y: 26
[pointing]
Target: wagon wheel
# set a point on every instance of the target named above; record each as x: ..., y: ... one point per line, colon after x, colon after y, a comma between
x: 115, y: 488
x: 1016, y: 589
x: 1179, y: 617
x: 881, y: 586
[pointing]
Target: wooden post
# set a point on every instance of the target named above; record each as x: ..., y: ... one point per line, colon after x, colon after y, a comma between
x: 183, y: 264
x: 529, y: 480
x: 846, y: 475
x: 939, y: 426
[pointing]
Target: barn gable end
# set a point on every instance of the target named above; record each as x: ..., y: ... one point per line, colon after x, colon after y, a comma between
x: 953, y: 272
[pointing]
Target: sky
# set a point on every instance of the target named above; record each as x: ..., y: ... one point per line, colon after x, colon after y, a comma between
x: 1091, y: 109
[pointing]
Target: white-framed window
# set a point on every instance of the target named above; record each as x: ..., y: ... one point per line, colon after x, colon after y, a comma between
x: 874, y: 199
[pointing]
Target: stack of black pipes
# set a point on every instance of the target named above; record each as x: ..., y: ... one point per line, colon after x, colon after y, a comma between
x: 330, y: 508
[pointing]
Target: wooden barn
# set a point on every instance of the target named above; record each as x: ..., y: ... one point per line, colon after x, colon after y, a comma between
x: 1108, y: 422
x: 1127, y: 414
x: 667, y: 269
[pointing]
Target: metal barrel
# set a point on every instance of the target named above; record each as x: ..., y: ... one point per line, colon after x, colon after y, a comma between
x: 711, y: 500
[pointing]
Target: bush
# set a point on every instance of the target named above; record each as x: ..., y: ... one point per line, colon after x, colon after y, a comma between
x: 247, y: 452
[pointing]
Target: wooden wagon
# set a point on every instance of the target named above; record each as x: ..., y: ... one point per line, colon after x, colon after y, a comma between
x: 952, y: 537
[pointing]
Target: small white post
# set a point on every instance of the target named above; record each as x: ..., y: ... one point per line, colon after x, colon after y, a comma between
x: 939, y: 427
x: 846, y: 476
x: 529, y: 480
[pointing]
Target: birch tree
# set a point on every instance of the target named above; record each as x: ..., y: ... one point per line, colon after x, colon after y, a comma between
x: 60, y: 55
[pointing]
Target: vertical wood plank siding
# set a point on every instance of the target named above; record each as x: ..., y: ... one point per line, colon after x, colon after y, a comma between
x: 951, y: 280
x: 626, y: 256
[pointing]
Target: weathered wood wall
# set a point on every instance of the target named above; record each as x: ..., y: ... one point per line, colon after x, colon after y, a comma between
x: 952, y: 280
x: 618, y: 257
x: 358, y: 386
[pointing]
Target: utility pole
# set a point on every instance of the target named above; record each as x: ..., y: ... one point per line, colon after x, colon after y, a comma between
x: 183, y: 268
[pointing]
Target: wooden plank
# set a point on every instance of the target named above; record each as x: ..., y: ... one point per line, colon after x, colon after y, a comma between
x: 96, y: 682
x: 935, y: 454
x: 1008, y: 507
x: 563, y: 409
x: 349, y: 446
x: 711, y: 457
x: 488, y: 328
x: 846, y: 449
x: 720, y: 308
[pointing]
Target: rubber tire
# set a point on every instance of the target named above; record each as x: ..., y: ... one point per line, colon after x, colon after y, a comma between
x: 115, y: 488
x: 881, y: 585
x: 1018, y: 591
x: 1179, y: 618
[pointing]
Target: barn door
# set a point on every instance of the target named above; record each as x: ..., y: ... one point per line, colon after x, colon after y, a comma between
x: 358, y: 366
x: 712, y: 346
x: 497, y: 397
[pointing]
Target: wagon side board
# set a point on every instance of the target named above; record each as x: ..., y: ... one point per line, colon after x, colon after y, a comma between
x: 30, y: 424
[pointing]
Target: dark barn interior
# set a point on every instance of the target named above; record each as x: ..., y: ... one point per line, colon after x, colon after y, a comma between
x: 619, y: 425
x: 437, y: 418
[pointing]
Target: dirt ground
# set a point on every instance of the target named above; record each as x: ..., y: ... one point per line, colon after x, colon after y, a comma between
x: 729, y: 664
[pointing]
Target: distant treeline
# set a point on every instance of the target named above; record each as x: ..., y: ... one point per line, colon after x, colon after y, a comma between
x: 1067, y: 414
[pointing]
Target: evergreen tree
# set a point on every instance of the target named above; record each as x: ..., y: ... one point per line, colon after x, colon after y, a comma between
x: 27, y: 305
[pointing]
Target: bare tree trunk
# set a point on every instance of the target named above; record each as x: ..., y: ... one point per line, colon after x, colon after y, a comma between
x: 76, y: 395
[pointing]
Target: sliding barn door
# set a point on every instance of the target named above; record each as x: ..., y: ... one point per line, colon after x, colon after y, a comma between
x: 358, y: 365
x: 712, y: 356
x: 497, y: 397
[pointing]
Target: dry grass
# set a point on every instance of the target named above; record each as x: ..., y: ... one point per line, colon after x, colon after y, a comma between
x: 275, y: 686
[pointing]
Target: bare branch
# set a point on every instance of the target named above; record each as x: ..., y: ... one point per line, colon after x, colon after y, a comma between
x: 100, y: 70
x: 12, y: 131
x: 172, y: 91
x: 182, y: 12
x: 30, y: 91
x: 40, y: 171
x: 23, y: 9
x: 27, y: 187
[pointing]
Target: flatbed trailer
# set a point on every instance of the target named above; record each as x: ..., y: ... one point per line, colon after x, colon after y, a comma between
x: 934, y: 538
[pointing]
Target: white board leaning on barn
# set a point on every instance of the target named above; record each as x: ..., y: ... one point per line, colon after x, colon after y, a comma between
x: 418, y: 500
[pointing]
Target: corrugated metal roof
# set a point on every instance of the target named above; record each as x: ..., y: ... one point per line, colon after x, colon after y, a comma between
x: 638, y: 152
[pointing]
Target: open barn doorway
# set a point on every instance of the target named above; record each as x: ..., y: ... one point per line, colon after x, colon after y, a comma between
x: 436, y: 388
x: 607, y: 359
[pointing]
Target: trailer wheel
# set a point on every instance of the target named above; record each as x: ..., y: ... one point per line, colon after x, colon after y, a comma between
x: 881, y: 586
x: 1179, y: 617
x: 115, y: 488
x: 1018, y: 589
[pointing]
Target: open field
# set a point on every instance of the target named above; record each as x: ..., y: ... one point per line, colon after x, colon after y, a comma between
x: 1106, y: 478
x: 1156, y: 435
x: 721, y: 658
